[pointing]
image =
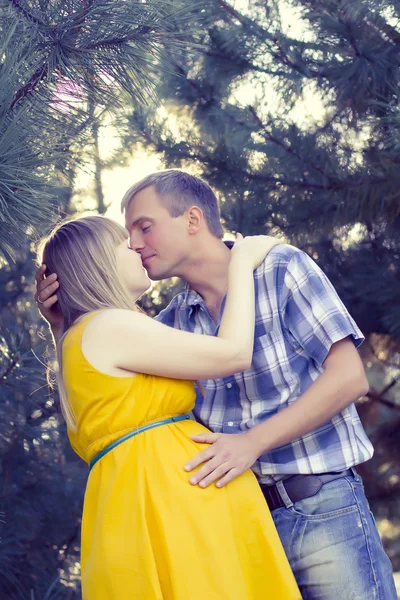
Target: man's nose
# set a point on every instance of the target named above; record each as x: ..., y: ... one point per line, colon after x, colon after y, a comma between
x: 136, y: 242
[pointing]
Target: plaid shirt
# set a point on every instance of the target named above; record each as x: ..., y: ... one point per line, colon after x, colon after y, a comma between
x: 298, y: 317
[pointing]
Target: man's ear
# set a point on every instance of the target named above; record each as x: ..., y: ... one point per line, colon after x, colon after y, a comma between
x: 195, y: 219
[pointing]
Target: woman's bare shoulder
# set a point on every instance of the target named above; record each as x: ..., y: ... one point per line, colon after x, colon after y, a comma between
x: 116, y: 316
x: 111, y: 323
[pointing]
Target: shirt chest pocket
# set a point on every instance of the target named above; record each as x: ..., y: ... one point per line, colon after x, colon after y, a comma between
x: 269, y: 377
x: 269, y: 353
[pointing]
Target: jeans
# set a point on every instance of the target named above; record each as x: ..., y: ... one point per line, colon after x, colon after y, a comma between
x: 333, y: 545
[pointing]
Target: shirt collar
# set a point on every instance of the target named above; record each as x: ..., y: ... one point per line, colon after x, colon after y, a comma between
x: 191, y: 297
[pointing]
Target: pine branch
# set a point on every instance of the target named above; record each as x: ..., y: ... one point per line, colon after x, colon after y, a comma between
x: 232, y: 12
x: 389, y: 386
x: 390, y: 33
x: 299, y: 184
x: 17, y: 4
x: 278, y: 54
x: 56, y: 56
x: 277, y: 180
x: 244, y: 62
x: 12, y: 364
x: 377, y: 249
x: 81, y: 17
x: 375, y: 21
x: 378, y: 397
x: 74, y: 535
x: 39, y: 76
x: 270, y: 136
x: 308, y: 73
x: 347, y: 24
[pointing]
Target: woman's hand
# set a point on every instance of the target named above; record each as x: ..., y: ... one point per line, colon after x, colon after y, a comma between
x: 253, y: 249
x: 46, y: 298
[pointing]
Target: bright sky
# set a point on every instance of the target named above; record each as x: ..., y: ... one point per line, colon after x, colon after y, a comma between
x: 118, y: 181
x: 115, y: 181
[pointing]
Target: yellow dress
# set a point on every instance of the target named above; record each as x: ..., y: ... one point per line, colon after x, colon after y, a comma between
x: 147, y: 533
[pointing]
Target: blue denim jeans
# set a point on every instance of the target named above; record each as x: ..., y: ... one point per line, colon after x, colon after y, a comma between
x: 333, y: 545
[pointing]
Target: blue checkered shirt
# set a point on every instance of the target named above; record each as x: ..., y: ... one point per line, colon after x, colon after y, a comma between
x: 298, y: 317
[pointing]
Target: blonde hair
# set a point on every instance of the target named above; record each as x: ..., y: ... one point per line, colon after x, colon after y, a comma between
x: 82, y: 252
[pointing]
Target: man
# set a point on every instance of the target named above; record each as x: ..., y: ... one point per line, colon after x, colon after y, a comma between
x: 291, y: 415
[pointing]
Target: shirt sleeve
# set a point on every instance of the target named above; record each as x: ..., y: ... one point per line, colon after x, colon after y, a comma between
x: 312, y: 310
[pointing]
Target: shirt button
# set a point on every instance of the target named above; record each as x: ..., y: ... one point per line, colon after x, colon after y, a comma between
x: 229, y: 385
x: 230, y: 423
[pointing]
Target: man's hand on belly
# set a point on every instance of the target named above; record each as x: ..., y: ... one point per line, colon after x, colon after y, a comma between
x: 228, y: 456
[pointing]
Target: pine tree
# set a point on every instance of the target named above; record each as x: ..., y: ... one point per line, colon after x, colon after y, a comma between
x: 60, y: 62
x: 63, y: 66
x: 41, y: 483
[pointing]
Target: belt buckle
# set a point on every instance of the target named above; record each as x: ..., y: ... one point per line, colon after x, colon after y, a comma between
x: 272, y: 496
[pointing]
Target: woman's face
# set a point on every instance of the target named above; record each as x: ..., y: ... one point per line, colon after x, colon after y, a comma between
x: 131, y: 270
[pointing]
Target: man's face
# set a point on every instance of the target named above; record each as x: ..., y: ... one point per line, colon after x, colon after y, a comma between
x: 161, y: 240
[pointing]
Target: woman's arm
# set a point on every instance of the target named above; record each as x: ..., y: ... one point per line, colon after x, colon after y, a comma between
x: 138, y: 343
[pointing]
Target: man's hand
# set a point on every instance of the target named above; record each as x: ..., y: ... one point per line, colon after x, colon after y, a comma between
x: 46, y: 298
x: 228, y: 456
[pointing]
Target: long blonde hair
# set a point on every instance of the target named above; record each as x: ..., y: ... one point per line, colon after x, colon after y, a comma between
x: 82, y: 252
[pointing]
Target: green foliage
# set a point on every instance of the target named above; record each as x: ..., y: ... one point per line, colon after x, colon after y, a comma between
x: 63, y: 66
x: 58, y: 60
x: 41, y: 482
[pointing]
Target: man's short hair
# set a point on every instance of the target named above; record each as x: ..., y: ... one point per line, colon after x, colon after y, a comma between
x: 179, y: 191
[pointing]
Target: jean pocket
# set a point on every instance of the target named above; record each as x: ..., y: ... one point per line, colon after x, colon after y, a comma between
x: 334, y: 499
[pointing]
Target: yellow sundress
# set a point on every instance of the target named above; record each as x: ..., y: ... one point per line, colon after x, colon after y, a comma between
x: 147, y: 533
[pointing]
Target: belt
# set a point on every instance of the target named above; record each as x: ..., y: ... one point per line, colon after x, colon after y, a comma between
x: 299, y: 487
x: 135, y: 432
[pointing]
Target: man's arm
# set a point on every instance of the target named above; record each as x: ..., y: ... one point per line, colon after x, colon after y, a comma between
x: 342, y: 381
x: 318, y: 324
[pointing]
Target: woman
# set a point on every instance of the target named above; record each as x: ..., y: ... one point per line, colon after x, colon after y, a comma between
x: 126, y: 386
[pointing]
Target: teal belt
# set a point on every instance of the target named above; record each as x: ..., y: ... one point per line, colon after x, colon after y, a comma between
x: 135, y: 432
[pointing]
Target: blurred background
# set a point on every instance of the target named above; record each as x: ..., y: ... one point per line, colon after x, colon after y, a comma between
x: 289, y: 109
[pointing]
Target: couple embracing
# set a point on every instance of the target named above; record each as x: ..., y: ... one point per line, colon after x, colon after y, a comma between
x: 172, y: 508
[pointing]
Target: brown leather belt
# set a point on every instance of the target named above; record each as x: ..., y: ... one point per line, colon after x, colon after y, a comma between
x: 299, y: 487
